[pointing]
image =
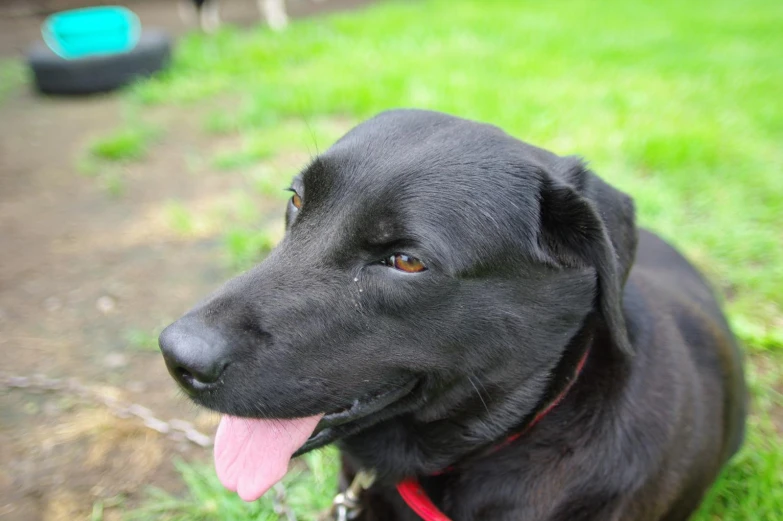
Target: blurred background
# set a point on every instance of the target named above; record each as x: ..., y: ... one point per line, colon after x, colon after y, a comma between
x: 119, y: 210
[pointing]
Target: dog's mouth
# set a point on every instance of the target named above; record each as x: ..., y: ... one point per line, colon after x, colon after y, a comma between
x: 355, y: 418
x: 252, y: 454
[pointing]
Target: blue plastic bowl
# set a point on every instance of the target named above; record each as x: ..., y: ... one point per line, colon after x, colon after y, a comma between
x: 91, y: 31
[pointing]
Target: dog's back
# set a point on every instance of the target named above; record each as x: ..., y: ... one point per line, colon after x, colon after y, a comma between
x: 701, y: 320
x: 704, y: 364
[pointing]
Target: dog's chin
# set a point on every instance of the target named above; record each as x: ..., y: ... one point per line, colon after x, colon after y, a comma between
x: 362, y: 414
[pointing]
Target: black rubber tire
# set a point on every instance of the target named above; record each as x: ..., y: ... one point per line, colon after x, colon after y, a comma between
x: 56, y: 75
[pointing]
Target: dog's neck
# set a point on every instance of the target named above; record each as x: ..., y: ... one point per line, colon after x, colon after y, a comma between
x: 403, y: 447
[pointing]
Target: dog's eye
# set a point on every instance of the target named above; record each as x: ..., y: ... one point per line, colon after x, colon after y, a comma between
x: 296, y: 201
x: 404, y: 263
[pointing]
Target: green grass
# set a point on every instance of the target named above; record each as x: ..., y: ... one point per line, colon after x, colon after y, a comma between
x: 12, y: 75
x: 250, y: 236
x: 751, y: 486
x: 250, y: 152
x: 677, y: 103
x: 129, y: 143
x: 142, y: 339
x: 309, y: 489
x: 258, y: 143
x: 246, y: 245
x: 757, y: 337
x: 107, y: 156
x: 266, y: 182
x: 180, y: 218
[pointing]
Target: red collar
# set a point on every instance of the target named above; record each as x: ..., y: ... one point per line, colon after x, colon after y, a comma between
x: 416, y: 498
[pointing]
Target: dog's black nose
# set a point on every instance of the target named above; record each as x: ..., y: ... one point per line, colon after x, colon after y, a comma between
x: 195, y: 354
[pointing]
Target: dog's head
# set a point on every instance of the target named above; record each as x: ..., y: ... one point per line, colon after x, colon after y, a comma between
x: 422, y: 251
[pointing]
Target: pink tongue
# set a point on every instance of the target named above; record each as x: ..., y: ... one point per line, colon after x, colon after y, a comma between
x: 252, y: 455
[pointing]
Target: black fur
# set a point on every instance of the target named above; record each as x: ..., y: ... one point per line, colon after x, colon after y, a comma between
x: 531, y: 258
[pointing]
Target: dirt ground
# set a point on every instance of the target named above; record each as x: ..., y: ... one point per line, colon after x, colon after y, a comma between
x: 20, y: 20
x: 80, y: 270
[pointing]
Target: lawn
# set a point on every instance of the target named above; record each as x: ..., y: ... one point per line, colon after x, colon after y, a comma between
x: 11, y: 76
x: 678, y: 103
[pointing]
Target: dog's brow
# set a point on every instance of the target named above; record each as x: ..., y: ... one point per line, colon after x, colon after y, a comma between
x: 315, y: 178
x: 383, y: 232
x: 297, y: 184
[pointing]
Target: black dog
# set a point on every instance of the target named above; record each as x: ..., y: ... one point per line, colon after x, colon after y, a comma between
x: 440, y: 286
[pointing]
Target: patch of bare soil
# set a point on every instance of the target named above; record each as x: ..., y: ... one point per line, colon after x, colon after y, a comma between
x: 80, y: 269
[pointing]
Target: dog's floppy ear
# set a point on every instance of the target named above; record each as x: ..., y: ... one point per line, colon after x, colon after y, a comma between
x: 586, y: 222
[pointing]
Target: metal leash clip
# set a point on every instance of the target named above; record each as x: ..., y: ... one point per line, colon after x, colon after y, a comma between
x: 345, y: 506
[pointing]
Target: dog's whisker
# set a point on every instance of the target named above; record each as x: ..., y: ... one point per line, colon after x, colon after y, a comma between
x: 478, y: 393
x: 481, y: 384
x: 312, y: 136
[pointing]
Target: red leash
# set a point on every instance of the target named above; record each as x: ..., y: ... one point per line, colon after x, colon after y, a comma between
x: 416, y: 498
